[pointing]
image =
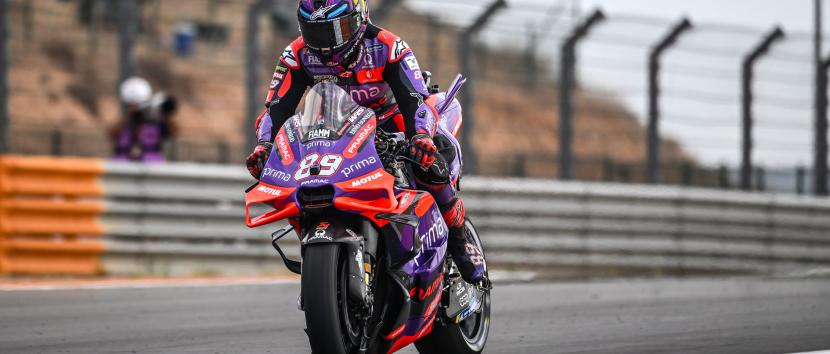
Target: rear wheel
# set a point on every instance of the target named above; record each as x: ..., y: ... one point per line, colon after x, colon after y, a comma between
x: 330, y: 317
x: 468, y: 336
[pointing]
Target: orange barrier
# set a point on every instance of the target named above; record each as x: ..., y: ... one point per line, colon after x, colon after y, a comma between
x: 49, y: 210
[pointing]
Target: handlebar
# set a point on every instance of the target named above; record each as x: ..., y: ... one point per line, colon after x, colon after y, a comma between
x: 393, y: 147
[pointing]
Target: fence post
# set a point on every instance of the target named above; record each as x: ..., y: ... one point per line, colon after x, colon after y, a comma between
x: 687, y: 174
x: 747, y: 73
x: 56, y: 142
x: 653, y: 134
x: 566, y: 87
x: 820, y: 187
x: 800, y: 174
x: 4, y: 78
x: 253, y: 86
x: 530, y: 56
x: 224, y: 152
x: 760, y: 179
x: 607, y: 169
x: 723, y: 177
x: 127, y: 33
x: 28, y: 22
x: 465, y: 55
x: 820, y: 125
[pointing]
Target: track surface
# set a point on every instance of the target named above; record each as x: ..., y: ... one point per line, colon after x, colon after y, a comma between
x: 642, y: 316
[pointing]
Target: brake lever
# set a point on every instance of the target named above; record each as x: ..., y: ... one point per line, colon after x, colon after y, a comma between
x: 403, y: 150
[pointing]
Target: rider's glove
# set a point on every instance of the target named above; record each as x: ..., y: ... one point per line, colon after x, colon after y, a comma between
x: 256, y: 160
x: 423, y: 150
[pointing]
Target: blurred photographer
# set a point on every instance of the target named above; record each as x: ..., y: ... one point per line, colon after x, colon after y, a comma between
x: 147, y: 124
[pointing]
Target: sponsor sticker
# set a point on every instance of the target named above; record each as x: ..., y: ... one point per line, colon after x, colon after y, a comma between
x: 318, y: 134
x: 268, y: 190
x: 317, y: 143
x: 357, y: 166
x: 313, y: 60
x: 314, y: 181
x: 412, y: 63
x: 289, y: 132
x: 436, y: 232
x: 398, y: 48
x: 318, y: 235
x: 363, y: 95
x: 321, y: 12
x: 284, y: 148
x: 374, y: 48
x: 276, y: 174
x: 288, y: 57
x: 325, y: 78
x: 356, y: 126
x: 373, y: 177
x: 359, y: 139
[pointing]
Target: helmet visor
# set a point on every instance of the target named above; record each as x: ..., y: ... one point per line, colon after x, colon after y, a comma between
x: 329, y: 34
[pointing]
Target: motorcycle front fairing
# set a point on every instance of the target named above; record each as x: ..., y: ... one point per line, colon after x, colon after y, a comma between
x: 312, y: 155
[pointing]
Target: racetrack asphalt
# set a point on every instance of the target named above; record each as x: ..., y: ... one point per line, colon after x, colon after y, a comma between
x: 737, y: 315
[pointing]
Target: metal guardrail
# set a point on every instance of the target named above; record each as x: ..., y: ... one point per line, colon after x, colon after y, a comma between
x: 186, y: 218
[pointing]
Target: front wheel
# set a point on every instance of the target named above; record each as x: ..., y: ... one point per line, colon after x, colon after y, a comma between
x: 329, y: 315
x: 468, y: 336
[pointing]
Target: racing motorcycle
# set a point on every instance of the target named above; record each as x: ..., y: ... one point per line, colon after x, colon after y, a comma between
x: 375, y: 272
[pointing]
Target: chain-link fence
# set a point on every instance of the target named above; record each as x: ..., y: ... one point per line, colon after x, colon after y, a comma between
x: 65, y: 68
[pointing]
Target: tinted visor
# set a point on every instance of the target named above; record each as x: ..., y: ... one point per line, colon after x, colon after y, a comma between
x: 329, y: 34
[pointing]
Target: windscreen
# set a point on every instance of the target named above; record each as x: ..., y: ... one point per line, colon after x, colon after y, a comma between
x: 327, y: 107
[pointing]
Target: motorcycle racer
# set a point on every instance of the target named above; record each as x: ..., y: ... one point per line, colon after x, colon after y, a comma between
x: 339, y: 44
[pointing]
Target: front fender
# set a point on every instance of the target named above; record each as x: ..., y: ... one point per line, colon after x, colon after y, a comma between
x: 330, y: 231
x: 327, y: 232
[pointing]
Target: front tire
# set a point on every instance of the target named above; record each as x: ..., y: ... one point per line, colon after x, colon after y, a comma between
x: 324, y: 300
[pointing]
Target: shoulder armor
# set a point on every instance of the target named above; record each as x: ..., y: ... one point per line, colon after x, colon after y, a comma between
x: 397, y: 46
x: 291, y: 55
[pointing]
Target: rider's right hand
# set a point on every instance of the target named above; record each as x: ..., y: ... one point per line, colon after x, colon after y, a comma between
x: 256, y: 160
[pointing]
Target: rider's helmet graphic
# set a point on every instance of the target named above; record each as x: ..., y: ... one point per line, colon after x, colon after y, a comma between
x: 333, y: 28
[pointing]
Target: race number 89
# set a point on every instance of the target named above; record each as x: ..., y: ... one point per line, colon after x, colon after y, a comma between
x: 328, y: 165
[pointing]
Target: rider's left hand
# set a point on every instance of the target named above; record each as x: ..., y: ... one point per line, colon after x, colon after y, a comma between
x: 423, y: 150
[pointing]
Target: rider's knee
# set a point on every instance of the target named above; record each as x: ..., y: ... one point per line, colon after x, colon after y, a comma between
x: 454, y: 213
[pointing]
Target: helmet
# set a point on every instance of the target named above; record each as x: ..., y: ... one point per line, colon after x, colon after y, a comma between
x: 332, y: 28
x: 135, y: 90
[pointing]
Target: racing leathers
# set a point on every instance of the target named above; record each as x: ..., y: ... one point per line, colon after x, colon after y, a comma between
x: 384, y: 76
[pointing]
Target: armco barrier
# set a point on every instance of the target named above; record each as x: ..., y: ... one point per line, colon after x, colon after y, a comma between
x: 49, y: 211
x: 183, y: 219
x: 175, y: 219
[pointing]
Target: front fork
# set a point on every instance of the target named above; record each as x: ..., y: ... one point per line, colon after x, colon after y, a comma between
x: 361, y: 255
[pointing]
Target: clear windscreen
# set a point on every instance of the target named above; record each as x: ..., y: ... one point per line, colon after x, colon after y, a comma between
x: 327, y: 108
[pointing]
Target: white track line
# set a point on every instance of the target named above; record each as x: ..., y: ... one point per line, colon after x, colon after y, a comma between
x: 816, y: 352
x: 143, y: 284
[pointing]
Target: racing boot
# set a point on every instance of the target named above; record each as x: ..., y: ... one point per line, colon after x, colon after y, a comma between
x: 463, y: 249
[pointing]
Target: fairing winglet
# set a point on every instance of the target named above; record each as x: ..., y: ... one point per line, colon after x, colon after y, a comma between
x: 453, y: 91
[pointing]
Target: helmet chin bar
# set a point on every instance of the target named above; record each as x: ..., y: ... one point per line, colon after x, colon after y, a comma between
x: 326, y: 53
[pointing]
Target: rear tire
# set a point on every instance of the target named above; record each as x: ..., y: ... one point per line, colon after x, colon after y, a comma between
x: 321, y: 264
x: 448, y: 337
x: 467, y: 337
